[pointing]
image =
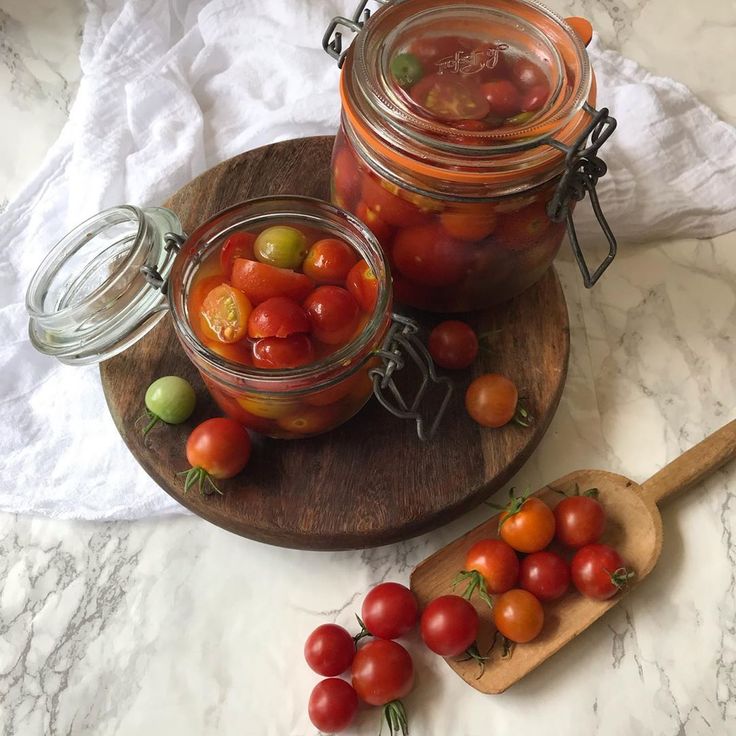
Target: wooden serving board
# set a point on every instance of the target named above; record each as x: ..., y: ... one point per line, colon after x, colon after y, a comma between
x: 371, y: 481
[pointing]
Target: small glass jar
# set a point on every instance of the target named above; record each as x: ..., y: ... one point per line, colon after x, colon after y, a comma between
x: 109, y: 282
x: 469, y: 203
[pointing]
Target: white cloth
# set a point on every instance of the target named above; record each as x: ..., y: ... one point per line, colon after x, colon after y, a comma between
x: 171, y: 87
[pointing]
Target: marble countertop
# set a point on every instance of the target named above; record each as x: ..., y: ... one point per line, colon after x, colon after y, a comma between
x: 174, y: 626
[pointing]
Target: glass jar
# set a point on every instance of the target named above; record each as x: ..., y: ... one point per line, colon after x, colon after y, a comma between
x: 109, y: 282
x: 468, y: 132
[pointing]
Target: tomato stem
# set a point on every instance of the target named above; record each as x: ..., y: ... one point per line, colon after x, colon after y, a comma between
x: 395, y: 715
x: 362, y: 633
x: 508, y: 648
x: 153, y: 421
x: 513, y: 507
x: 200, y: 477
x: 475, y: 581
x: 522, y: 417
x: 621, y: 576
x: 472, y: 652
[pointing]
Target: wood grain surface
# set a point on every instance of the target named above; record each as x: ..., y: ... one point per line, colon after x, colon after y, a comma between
x: 371, y: 481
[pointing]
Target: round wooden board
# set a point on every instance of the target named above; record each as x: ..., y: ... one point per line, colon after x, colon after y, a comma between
x: 371, y: 481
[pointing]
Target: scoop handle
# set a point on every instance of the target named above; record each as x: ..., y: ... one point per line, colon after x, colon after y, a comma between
x: 694, y: 465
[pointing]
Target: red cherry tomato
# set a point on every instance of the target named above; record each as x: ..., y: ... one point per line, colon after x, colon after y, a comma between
x: 382, y: 671
x: 492, y: 400
x: 346, y: 176
x: 329, y: 261
x: 528, y: 525
x: 225, y: 313
x: 453, y: 344
x: 526, y: 73
x: 449, y: 625
x: 332, y: 705
x: 238, y: 245
x: 522, y: 229
x: 545, y: 574
x: 376, y: 224
x: 450, y: 97
x: 333, y: 314
x: 283, y: 352
x: 580, y: 520
x: 496, y: 562
x: 534, y: 98
x: 389, y: 611
x: 309, y: 420
x: 431, y: 49
x: 278, y: 316
x: 389, y: 207
x: 470, y: 222
x: 599, y: 572
x: 261, y: 281
x: 502, y: 98
x: 518, y: 615
x: 329, y: 650
x: 427, y: 255
x: 363, y: 285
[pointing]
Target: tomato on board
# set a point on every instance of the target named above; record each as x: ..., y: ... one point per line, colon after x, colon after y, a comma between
x: 329, y: 261
x: 311, y: 419
x: 332, y: 705
x: 283, y: 352
x: 599, y: 572
x: 389, y: 207
x: 496, y: 562
x: 450, y: 97
x: 526, y: 73
x: 363, y: 285
x: 427, y: 255
x: 453, y: 344
x: 528, y: 524
x: 333, y: 314
x: 278, y: 316
x: 521, y: 229
x: 329, y: 650
x: 545, y: 575
x: 534, y: 98
x: 260, y: 281
x: 502, y: 98
x: 389, y: 611
x: 382, y: 671
x: 580, y: 520
x: 470, y: 222
x: 238, y: 245
x: 449, y: 625
x: 225, y: 312
x: 518, y: 615
x: 492, y: 400
x: 376, y: 224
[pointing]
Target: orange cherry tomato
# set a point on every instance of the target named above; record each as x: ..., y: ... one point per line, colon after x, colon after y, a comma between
x: 329, y: 261
x: 521, y: 229
x: 390, y: 208
x: 491, y: 400
x: 225, y: 313
x: 470, y: 222
x: 528, y: 525
x: 283, y: 352
x: 278, y: 316
x: 363, y: 285
x: 450, y: 97
x: 199, y: 290
x: 261, y: 281
x: 496, y: 562
x: 518, y: 615
x: 379, y: 227
x: 333, y: 314
x: 311, y: 419
x: 238, y: 245
x: 427, y: 255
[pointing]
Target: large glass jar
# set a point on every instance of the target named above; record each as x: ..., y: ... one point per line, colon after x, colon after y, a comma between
x: 463, y: 144
x: 109, y: 281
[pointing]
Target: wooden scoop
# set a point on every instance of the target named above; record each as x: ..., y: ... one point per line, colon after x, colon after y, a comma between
x: 634, y: 528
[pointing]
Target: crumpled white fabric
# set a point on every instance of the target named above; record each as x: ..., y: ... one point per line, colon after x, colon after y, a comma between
x: 171, y: 87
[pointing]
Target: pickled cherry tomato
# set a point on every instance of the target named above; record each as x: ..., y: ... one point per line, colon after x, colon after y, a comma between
x: 534, y: 98
x: 429, y: 256
x: 277, y: 317
x: 259, y: 281
x: 502, y: 97
x: 225, y: 312
x: 450, y: 97
x: 406, y: 69
x: 390, y: 208
x: 431, y: 49
x: 363, y: 285
x: 521, y: 229
x: 281, y: 246
x: 311, y: 419
x: 376, y: 224
x: 470, y: 222
x: 333, y: 314
x: 525, y: 73
x: 345, y: 175
x: 329, y: 261
x: 238, y: 245
x: 283, y: 352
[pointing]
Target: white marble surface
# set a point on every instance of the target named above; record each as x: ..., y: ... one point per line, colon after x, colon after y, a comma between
x: 174, y: 626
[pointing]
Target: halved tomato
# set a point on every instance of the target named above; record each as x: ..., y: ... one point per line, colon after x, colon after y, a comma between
x: 238, y: 245
x: 363, y: 285
x: 260, y: 281
x: 225, y: 311
x: 450, y: 97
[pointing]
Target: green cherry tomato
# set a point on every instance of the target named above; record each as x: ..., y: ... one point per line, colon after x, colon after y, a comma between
x: 281, y: 246
x: 169, y: 399
x: 407, y: 69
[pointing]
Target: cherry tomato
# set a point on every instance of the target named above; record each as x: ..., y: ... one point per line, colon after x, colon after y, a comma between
x: 259, y: 281
x: 406, y: 69
x: 431, y: 49
x: 534, y: 98
x: 329, y: 261
x: 408, y: 292
x: 599, y: 572
x: 329, y: 650
x: 450, y: 97
x: 267, y: 407
x: 382, y: 671
x: 346, y: 176
x: 389, y: 207
x: 283, y: 352
x: 544, y: 574
x: 472, y: 125
x: 333, y: 313
x: 389, y: 611
x: 502, y: 98
x: 169, y: 399
x: 527, y: 74
x: 449, y: 625
x: 199, y: 290
x: 363, y: 285
x: 518, y: 615
x: 225, y: 313
x: 332, y: 705
x: 470, y: 222
x: 427, y: 255
x: 580, y: 520
x: 521, y: 229
x: 528, y: 524
x: 237, y: 352
x: 496, y: 562
x: 491, y: 400
x: 218, y: 448
x: 453, y: 344
x: 308, y: 420
x: 235, y: 411
x: 281, y: 246
x: 376, y: 224
x: 278, y: 316
x: 238, y: 245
